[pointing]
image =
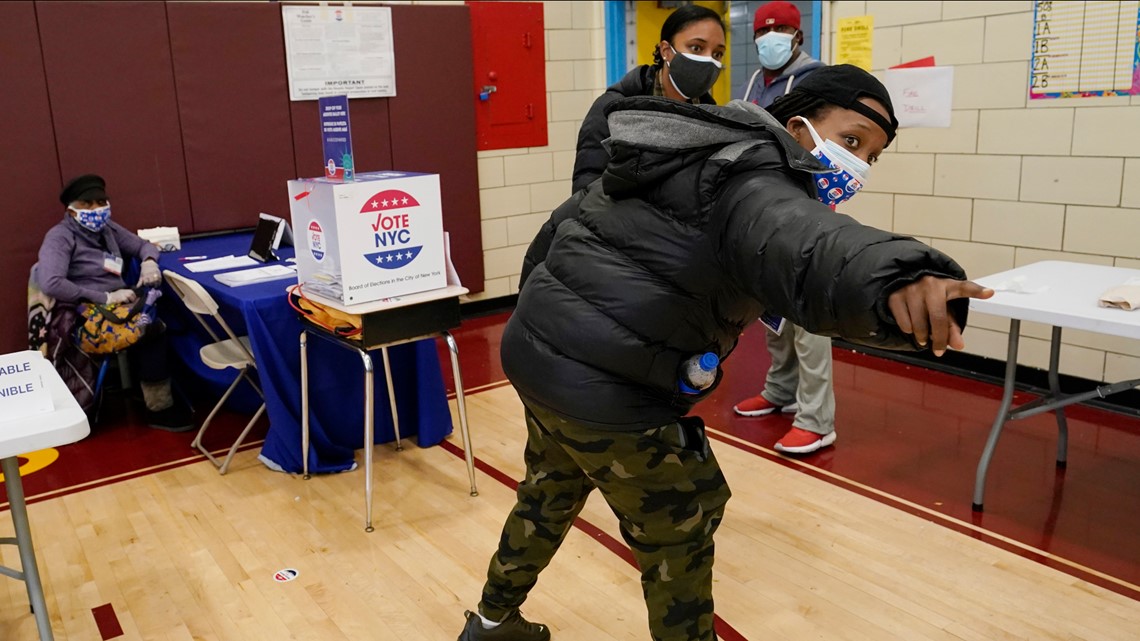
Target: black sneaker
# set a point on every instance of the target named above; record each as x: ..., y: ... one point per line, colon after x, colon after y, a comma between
x: 513, y: 628
x: 176, y: 418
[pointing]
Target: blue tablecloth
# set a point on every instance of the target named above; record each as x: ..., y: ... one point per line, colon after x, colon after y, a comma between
x: 336, y: 375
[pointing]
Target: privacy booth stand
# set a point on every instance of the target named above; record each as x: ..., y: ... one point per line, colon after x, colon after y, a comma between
x: 375, y: 247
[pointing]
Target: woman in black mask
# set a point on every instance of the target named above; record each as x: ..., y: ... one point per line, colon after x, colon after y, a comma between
x: 686, y: 63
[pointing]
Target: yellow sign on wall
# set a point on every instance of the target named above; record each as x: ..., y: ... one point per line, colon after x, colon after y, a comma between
x: 853, y: 41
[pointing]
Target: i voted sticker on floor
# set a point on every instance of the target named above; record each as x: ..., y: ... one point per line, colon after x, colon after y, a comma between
x: 286, y: 575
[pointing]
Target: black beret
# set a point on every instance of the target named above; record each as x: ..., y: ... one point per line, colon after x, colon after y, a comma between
x: 85, y: 187
x: 844, y: 85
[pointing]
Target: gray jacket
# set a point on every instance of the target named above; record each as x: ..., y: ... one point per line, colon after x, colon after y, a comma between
x: 71, y: 260
x: 759, y: 94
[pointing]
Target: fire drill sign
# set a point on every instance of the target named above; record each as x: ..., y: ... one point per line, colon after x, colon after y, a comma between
x: 392, y: 233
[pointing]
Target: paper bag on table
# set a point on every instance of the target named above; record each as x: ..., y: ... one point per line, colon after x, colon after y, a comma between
x: 1125, y: 296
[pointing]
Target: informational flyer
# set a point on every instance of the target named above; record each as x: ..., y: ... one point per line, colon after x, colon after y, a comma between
x: 1085, y: 49
x: 853, y: 41
x: 921, y: 95
x: 336, y: 137
x: 343, y: 50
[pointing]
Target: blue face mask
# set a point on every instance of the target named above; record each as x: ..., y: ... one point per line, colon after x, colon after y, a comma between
x: 93, y: 219
x: 775, y: 49
x: 850, y: 173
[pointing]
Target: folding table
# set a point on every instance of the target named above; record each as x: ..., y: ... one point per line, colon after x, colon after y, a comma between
x: 65, y: 424
x: 1061, y: 294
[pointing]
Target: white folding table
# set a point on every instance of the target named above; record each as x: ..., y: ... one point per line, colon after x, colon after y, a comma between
x: 1064, y: 295
x: 65, y: 424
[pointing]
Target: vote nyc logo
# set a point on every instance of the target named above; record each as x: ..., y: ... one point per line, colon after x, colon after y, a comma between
x: 390, y: 213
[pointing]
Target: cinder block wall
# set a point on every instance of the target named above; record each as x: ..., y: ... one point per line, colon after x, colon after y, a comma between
x: 518, y: 188
x: 1012, y: 181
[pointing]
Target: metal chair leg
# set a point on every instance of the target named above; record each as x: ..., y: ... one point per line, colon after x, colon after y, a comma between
x: 224, y: 464
x: 461, y: 403
x: 305, y: 405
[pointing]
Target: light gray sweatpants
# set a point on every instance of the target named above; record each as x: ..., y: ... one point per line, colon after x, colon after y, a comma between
x: 801, y: 372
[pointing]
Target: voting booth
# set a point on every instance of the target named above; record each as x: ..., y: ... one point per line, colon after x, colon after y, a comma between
x: 377, y: 237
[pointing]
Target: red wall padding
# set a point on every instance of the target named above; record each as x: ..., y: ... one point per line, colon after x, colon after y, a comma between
x: 114, y: 105
x: 434, y: 98
x: 369, y: 120
x: 184, y: 109
x: 233, y: 101
x: 28, y: 163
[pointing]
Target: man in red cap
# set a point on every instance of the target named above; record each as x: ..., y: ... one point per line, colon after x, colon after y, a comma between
x: 799, y: 379
x: 783, y: 62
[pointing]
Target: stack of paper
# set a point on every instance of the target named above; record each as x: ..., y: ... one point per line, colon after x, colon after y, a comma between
x: 166, y: 238
x: 220, y: 263
x: 256, y: 275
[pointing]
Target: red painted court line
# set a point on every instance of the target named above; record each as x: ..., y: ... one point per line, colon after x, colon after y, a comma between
x: 107, y: 621
x: 724, y: 631
x: 950, y: 524
x: 162, y: 467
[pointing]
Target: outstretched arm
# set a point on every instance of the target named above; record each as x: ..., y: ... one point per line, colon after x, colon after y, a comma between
x: 920, y: 309
x: 833, y: 276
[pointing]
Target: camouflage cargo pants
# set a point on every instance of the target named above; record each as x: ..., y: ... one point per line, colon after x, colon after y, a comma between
x: 664, y: 485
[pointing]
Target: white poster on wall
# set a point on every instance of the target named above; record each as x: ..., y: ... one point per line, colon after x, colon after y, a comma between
x: 921, y: 95
x: 341, y: 50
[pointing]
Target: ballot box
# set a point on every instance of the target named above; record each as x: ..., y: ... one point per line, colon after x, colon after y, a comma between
x: 376, y: 237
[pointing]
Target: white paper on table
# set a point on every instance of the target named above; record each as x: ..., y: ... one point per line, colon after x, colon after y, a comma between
x: 921, y: 95
x: 1019, y: 285
x: 452, y: 275
x: 23, y: 391
x: 256, y: 275
x: 223, y: 262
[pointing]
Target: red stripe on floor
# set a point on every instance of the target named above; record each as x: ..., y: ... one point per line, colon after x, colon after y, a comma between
x: 107, y: 621
x: 725, y: 631
x: 899, y: 504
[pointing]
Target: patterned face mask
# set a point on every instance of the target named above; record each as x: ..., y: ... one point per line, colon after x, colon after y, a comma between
x: 850, y: 173
x: 93, y: 219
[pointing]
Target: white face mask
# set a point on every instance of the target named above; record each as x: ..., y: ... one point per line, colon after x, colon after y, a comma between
x: 850, y: 177
x: 775, y: 49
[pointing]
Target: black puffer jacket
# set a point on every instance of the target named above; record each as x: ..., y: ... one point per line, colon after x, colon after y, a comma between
x: 704, y: 218
x: 591, y: 158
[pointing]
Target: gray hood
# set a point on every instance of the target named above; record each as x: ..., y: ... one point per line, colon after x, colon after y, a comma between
x: 677, y: 156
x: 664, y: 125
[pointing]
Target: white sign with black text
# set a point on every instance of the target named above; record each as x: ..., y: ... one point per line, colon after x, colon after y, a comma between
x: 23, y: 391
x: 921, y: 95
x: 342, y: 50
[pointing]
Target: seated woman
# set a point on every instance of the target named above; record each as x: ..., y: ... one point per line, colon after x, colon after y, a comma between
x: 82, y: 260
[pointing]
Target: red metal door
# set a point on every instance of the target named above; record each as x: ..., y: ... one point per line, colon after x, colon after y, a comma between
x: 510, y: 74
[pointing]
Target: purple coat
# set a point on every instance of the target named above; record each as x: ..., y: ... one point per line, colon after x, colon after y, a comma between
x: 71, y: 260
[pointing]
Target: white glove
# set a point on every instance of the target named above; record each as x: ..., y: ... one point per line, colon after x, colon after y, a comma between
x: 121, y: 297
x: 149, y: 276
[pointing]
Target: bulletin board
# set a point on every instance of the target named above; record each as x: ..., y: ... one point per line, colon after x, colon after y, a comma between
x: 1085, y: 49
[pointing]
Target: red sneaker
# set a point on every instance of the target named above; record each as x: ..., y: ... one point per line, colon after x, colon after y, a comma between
x: 798, y: 441
x: 760, y: 406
